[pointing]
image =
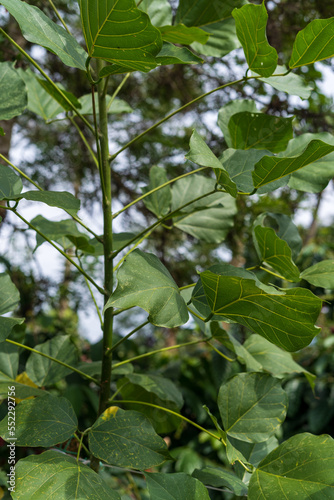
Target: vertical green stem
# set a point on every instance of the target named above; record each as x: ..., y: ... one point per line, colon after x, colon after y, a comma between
x: 105, y: 174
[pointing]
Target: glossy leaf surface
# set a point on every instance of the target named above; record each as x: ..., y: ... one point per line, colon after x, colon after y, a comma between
x: 251, y: 23
x: 13, y: 87
x: 126, y: 439
x: 320, y: 274
x: 145, y: 282
x: 301, y: 467
x: 269, y: 169
x: 252, y: 406
x: 259, y: 131
x: 38, y: 28
x: 44, y: 371
x: 285, y: 319
x: 120, y: 33
x: 177, y: 486
x: 313, y: 43
x: 42, y: 422
x: 61, y: 476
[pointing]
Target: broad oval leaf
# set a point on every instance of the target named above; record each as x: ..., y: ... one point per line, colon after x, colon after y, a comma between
x: 218, y: 478
x: 171, y: 54
x: 61, y: 476
x: 252, y: 406
x: 39, y: 29
x: 232, y: 108
x: 9, y: 299
x: 158, y: 202
x: 270, y: 169
x: 118, y: 32
x: 259, y: 131
x: 314, y: 177
x: 302, y: 467
x: 274, y: 251
x: 159, y: 11
x: 286, y: 230
x: 183, y: 35
x: 10, y: 183
x: 56, y: 230
x: 44, y: 371
x: 60, y: 199
x: 145, y: 282
x: 201, y: 154
x: 7, y: 325
x: 251, y: 23
x: 201, y: 12
x: 126, y: 439
x: 313, y: 43
x: 285, y: 319
x: 210, y: 216
x: 321, y: 274
x: 42, y: 422
x: 273, y: 359
x: 177, y: 486
x: 292, y: 84
x: 9, y: 360
x: 222, y: 39
x: 13, y: 87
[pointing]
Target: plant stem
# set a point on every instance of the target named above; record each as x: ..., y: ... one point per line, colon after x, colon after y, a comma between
x: 105, y: 175
x: 220, y: 353
x: 80, y: 441
x: 160, y: 221
x: 59, y: 16
x: 157, y: 189
x: 79, y: 268
x: 74, y: 217
x: 128, y: 336
x: 83, y: 374
x: 57, y: 89
x: 160, y: 122
x: 126, y: 401
x: 274, y: 274
x: 164, y: 349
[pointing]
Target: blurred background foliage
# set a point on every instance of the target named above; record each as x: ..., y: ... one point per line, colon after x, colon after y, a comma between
x: 54, y: 157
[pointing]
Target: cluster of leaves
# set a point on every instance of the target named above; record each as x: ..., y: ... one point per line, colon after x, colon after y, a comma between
x: 262, y: 155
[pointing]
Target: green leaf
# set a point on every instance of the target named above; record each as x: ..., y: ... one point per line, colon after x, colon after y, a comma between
x: 252, y: 406
x: 42, y: 422
x: 60, y: 199
x: 313, y: 43
x: 223, y: 39
x: 56, y: 231
x: 50, y: 89
x: 183, y: 35
x: 22, y: 391
x: 252, y: 453
x: 291, y: 84
x: 159, y: 11
x: 218, y: 478
x: 158, y: 202
x: 126, y: 439
x: 42, y: 371
x: 10, y: 183
x: 170, y: 54
x: 286, y: 319
x: 62, y: 475
x: 39, y: 29
x: 269, y: 169
x: 306, y: 470
x: 259, y: 131
x: 155, y: 390
x: 273, y: 359
x: 177, y: 486
x: 7, y: 325
x: 201, y: 154
x: 240, y: 165
x: 145, y: 282
x: 40, y: 101
x: 314, y: 177
x: 251, y: 23
x: 209, y: 218
x: 13, y: 87
x: 9, y: 299
x: 115, y: 106
x: 274, y: 251
x: 286, y: 230
x: 120, y: 33
x: 9, y: 360
x: 321, y: 274
x: 232, y: 108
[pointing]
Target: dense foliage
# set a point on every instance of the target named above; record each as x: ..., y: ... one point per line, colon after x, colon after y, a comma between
x: 208, y: 287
